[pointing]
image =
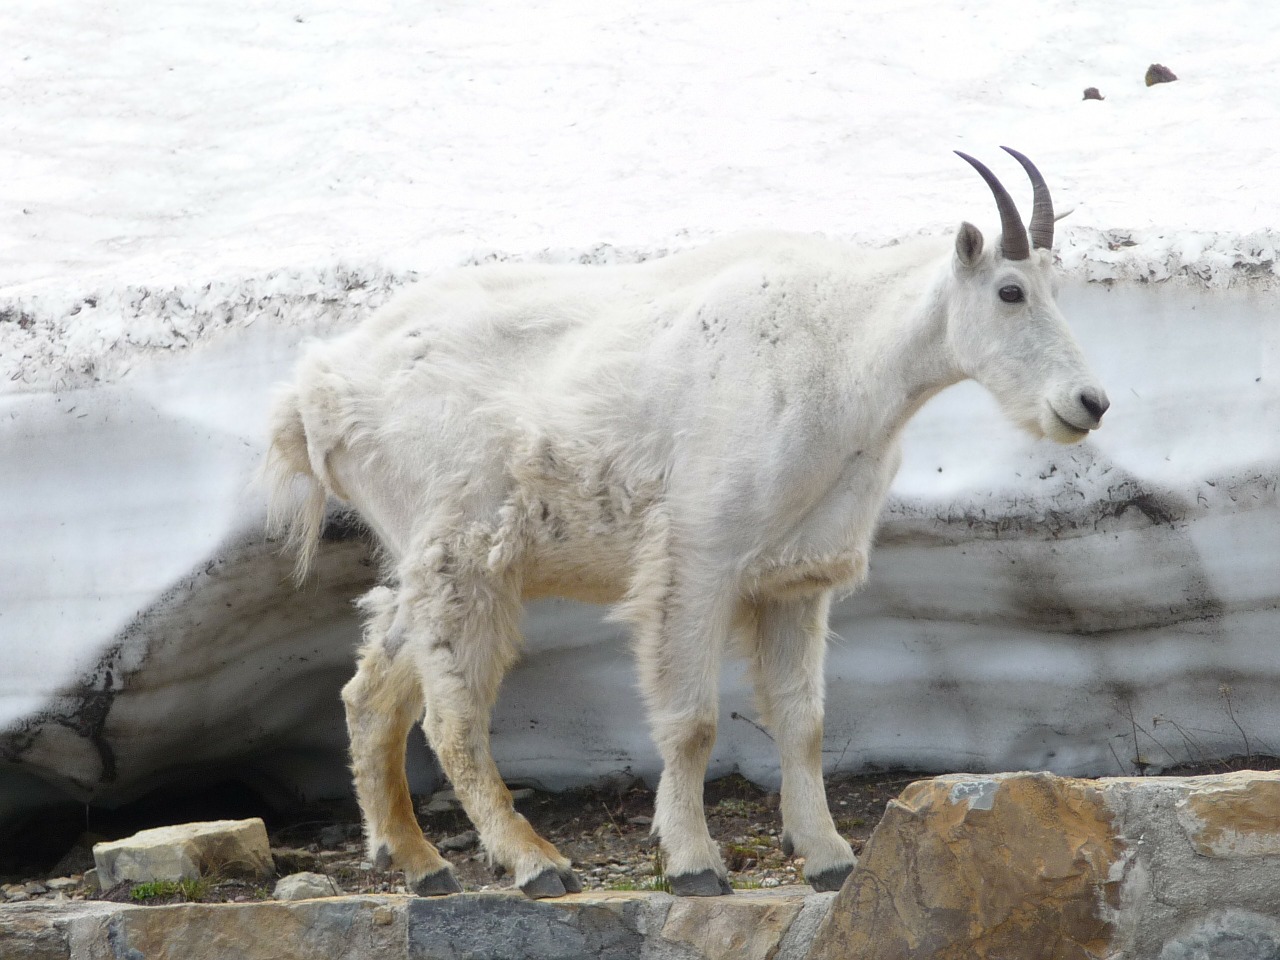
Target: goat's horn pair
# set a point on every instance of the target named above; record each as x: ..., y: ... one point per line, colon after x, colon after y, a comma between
x: 1013, y: 238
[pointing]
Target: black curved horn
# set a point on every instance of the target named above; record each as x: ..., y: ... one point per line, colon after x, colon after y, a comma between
x: 1041, y: 228
x: 1013, y: 238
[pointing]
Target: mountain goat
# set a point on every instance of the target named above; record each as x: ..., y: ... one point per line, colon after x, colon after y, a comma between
x: 703, y: 441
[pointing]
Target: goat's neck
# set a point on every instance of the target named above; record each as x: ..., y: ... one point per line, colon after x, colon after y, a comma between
x: 909, y: 359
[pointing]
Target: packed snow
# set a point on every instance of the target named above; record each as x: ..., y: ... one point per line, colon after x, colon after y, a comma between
x: 192, y: 189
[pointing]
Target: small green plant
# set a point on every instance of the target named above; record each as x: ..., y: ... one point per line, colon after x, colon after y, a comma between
x: 738, y: 808
x: 656, y: 882
x: 190, y: 890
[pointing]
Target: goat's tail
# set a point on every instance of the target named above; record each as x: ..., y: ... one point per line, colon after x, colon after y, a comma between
x: 298, y: 514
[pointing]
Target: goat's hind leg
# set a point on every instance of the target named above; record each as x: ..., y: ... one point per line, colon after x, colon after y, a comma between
x: 465, y: 635
x: 383, y: 701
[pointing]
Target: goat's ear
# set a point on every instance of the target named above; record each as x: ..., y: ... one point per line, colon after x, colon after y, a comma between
x: 968, y: 244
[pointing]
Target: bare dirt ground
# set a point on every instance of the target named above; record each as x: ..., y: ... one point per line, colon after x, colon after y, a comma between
x: 606, y: 834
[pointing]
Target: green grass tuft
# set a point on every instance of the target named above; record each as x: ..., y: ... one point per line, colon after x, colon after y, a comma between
x: 192, y: 891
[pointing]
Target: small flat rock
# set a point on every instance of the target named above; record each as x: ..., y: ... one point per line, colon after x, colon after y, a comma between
x: 446, y: 801
x: 459, y: 842
x: 216, y: 848
x: 333, y: 836
x: 305, y: 886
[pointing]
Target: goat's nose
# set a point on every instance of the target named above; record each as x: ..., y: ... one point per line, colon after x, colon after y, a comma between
x: 1095, y: 401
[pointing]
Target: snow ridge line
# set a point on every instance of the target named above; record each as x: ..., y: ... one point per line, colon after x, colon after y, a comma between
x: 1153, y: 255
x: 53, y: 338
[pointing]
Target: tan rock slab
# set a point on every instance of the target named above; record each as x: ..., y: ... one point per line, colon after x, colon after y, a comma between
x: 222, y: 848
x: 1233, y: 815
x: 334, y: 929
x: 980, y: 867
x: 746, y: 926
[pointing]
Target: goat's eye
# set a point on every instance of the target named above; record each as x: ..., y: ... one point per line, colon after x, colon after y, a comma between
x: 1011, y: 293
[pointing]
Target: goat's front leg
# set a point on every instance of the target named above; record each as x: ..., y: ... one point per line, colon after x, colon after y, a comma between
x: 383, y: 701
x: 787, y: 661
x: 464, y: 635
x: 679, y: 652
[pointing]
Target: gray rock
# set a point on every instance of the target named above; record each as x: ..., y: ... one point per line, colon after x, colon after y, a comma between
x: 305, y: 886
x: 501, y: 926
x: 31, y: 936
x: 1231, y: 935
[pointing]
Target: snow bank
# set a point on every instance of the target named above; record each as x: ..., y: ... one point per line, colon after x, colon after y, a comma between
x: 190, y: 190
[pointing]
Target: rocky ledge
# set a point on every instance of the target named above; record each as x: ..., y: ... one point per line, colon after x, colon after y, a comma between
x: 981, y: 867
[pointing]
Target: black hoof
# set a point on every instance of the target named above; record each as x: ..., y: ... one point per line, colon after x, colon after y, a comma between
x: 571, y: 882
x: 548, y: 883
x: 788, y: 848
x: 438, y: 884
x: 830, y: 879
x: 382, y: 859
x: 704, y: 883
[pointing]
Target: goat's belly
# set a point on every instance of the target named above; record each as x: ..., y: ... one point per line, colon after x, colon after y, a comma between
x: 593, y: 571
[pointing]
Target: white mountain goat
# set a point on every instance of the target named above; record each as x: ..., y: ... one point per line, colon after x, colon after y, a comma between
x: 703, y: 440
